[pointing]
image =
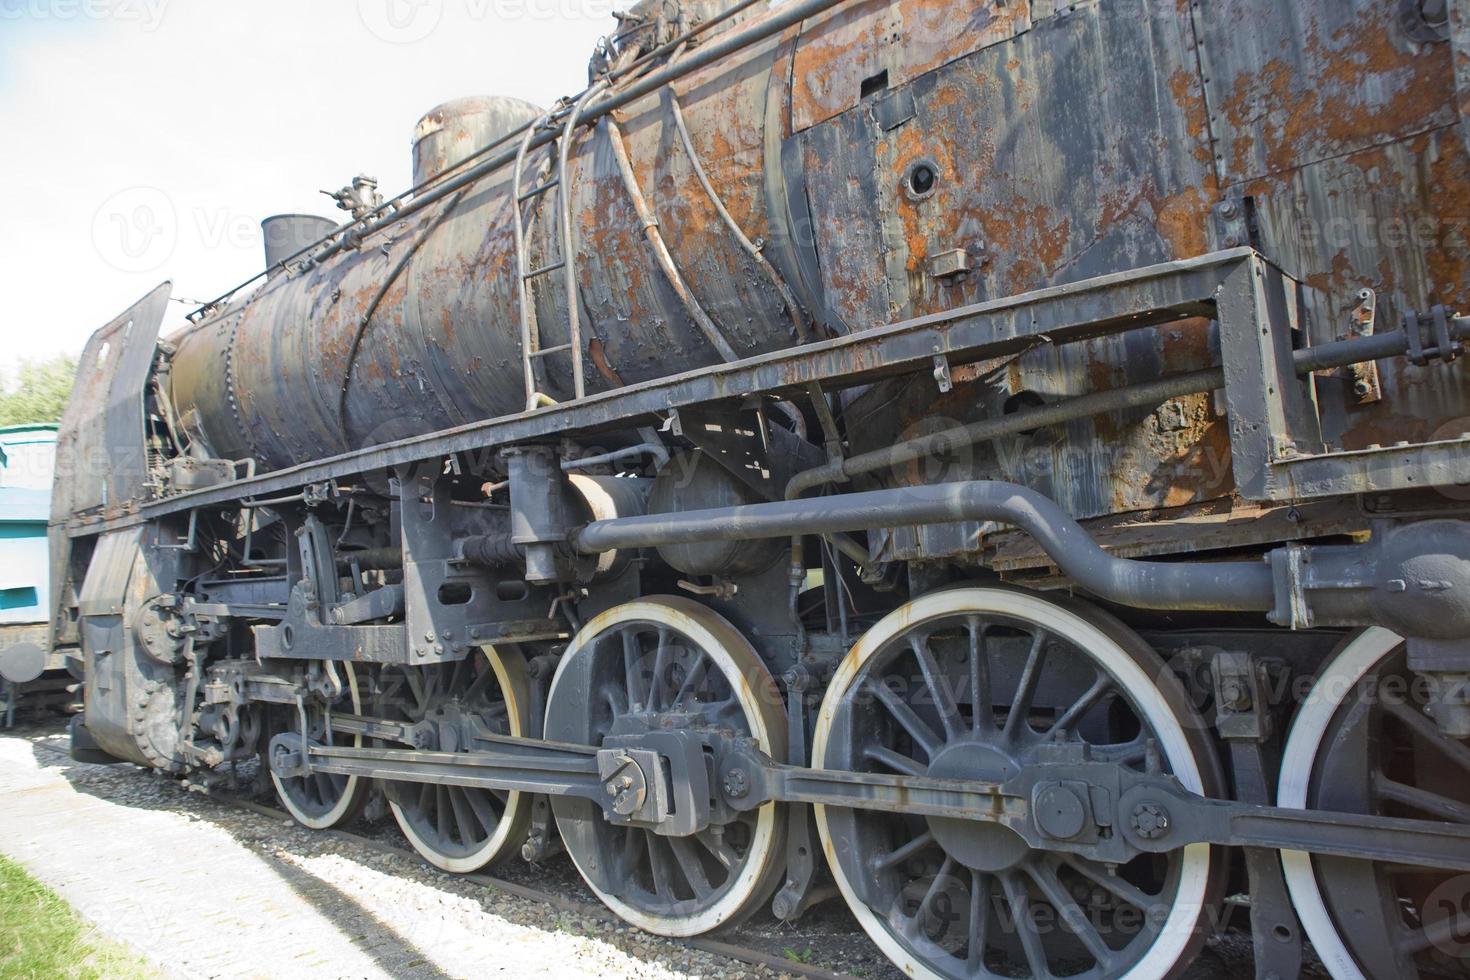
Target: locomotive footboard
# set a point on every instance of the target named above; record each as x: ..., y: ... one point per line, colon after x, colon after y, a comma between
x: 809, y: 466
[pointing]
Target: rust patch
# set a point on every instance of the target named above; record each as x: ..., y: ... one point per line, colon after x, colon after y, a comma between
x: 904, y: 38
x: 1318, y: 92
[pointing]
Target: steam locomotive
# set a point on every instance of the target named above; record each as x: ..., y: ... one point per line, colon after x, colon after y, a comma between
x: 1004, y: 459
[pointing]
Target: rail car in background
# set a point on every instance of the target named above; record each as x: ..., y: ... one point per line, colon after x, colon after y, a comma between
x: 30, y: 672
x: 1005, y: 460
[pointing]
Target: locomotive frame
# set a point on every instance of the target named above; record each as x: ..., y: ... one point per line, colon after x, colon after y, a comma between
x: 523, y: 637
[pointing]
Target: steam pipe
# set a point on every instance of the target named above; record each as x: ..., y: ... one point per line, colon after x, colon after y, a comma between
x: 1243, y: 586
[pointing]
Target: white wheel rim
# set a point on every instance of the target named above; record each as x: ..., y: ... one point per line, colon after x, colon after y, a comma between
x: 1341, y: 675
x: 349, y: 794
x: 1178, y: 930
x: 516, y: 715
x: 762, y: 844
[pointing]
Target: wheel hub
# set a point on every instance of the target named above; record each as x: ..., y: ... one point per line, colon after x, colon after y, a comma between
x: 976, y: 845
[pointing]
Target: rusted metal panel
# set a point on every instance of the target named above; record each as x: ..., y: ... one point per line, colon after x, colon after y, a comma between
x: 1291, y: 84
x: 1459, y: 22
x: 1394, y: 219
x: 1090, y: 153
x: 878, y: 44
x: 1086, y: 153
x: 841, y: 181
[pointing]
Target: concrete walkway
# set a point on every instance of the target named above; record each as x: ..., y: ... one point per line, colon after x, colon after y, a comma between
x: 206, y: 891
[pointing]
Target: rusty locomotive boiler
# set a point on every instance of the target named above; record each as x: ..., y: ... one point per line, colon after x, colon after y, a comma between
x: 1004, y: 461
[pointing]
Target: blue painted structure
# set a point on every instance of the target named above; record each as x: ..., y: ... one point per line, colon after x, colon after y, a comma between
x: 27, y: 465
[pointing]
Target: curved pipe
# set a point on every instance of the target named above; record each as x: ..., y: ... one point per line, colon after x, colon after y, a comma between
x: 660, y: 248
x: 1243, y: 586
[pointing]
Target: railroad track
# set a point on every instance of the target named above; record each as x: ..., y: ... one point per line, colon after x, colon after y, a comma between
x: 730, y: 950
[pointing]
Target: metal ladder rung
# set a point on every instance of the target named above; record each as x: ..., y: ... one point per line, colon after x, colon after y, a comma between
x: 533, y: 192
x: 544, y: 269
x: 550, y: 350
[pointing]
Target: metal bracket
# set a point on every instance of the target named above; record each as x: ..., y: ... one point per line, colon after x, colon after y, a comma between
x: 1362, y: 378
x: 1243, y: 718
x: 941, y: 374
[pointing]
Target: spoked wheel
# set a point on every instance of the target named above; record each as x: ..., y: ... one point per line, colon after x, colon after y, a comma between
x: 320, y: 800
x: 459, y: 828
x: 655, y: 664
x: 956, y: 898
x: 1361, y: 743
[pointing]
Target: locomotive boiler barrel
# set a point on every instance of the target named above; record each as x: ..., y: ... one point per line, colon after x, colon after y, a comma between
x: 419, y: 329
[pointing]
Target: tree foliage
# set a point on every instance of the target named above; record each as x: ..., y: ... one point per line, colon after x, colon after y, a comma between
x: 37, y: 390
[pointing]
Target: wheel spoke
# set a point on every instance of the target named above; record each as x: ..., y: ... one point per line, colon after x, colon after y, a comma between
x: 416, y: 688
x: 938, y: 684
x: 441, y: 811
x: 1070, y: 913
x: 632, y: 655
x: 917, y: 728
x: 692, y: 867
x: 660, y: 664
x: 693, y: 678
x: 1455, y: 750
x: 1025, y: 925
x: 632, y: 846
x: 479, y: 802
x: 1099, y: 689
x: 915, y: 925
x: 478, y: 685
x: 1026, y: 690
x: 901, y: 854
x: 1422, y: 800
x: 896, y: 761
x: 1449, y: 932
x: 1115, y: 884
x: 659, y: 867
x: 984, y: 711
x: 463, y: 819
x: 979, y: 919
x: 721, y: 851
x: 426, y: 793
x: 324, y: 788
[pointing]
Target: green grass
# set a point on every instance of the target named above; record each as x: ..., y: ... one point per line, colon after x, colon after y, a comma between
x: 805, y: 956
x: 41, y: 937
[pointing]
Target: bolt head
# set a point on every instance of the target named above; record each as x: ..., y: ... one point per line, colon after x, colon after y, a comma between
x: 736, y: 785
x: 1150, y: 820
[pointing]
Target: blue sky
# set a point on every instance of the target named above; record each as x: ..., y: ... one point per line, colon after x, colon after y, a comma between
x: 145, y: 139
